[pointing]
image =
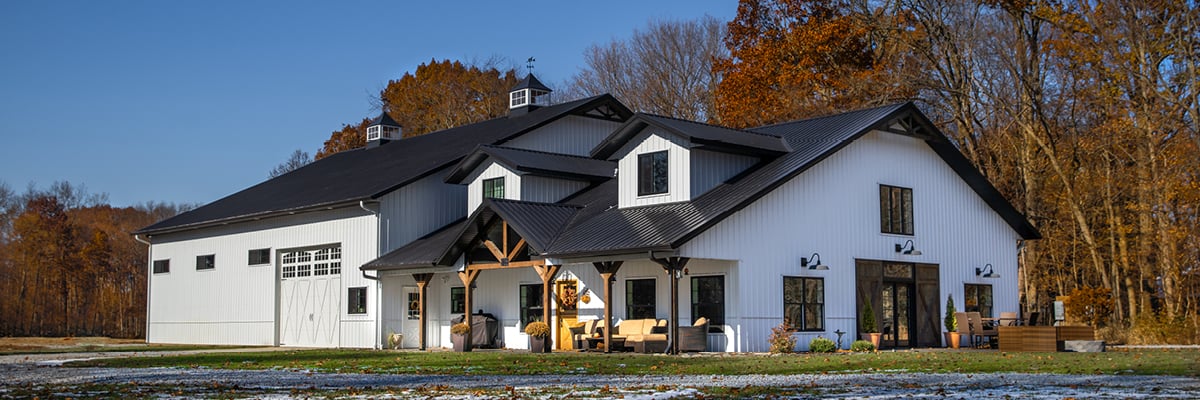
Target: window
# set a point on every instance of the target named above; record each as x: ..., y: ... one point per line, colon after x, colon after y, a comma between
x: 652, y: 173
x: 639, y: 299
x: 895, y: 210
x: 373, y: 132
x: 978, y: 299
x: 358, y: 300
x: 206, y: 262
x: 531, y: 304
x: 493, y: 188
x: 708, y: 300
x: 306, y: 263
x: 804, y: 303
x: 162, y: 266
x: 414, y: 306
x: 517, y: 98
x: 259, y: 257
x: 458, y: 300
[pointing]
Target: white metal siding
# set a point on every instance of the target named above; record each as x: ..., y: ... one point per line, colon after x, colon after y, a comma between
x: 419, y: 208
x: 570, y: 135
x: 235, y: 303
x: 490, y: 170
x: 833, y: 209
x: 710, y: 168
x: 678, y: 169
x: 548, y: 190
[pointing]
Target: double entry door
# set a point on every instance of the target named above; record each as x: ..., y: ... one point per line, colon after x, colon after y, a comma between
x: 904, y: 298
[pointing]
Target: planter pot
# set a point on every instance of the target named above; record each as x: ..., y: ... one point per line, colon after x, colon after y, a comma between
x: 871, y: 337
x: 459, y: 342
x: 953, y: 340
x: 538, y: 344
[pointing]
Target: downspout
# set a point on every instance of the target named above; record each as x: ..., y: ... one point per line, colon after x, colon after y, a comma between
x: 149, y: 276
x: 378, y: 282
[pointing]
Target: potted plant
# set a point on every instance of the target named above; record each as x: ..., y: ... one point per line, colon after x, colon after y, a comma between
x: 539, y: 334
x: 951, y: 322
x: 869, y: 331
x: 458, y: 336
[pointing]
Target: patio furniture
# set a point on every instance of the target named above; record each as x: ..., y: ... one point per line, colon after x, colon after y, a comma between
x: 978, y: 329
x: 1028, y: 338
x: 485, y: 330
x: 584, y: 330
x: 643, y: 335
x: 964, y: 328
x: 1033, y: 319
x: 1008, y: 318
x: 695, y: 337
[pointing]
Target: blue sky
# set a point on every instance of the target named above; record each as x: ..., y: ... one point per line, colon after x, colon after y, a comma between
x: 189, y: 101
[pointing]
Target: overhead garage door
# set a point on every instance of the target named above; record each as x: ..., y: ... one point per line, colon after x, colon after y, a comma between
x: 309, y: 284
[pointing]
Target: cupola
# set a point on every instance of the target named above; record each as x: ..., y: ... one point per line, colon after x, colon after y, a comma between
x: 528, y: 95
x: 383, y: 129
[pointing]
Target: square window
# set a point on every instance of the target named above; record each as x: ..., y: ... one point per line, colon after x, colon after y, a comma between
x: 895, y: 210
x: 206, y: 262
x: 162, y: 266
x: 358, y: 300
x: 652, y: 173
x: 259, y: 257
x: 493, y: 188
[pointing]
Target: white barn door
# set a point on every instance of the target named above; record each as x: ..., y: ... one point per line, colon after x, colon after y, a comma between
x: 412, y: 318
x: 309, y: 301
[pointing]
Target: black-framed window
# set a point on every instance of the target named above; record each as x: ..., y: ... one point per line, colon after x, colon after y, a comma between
x: 804, y: 303
x: 652, y: 173
x: 639, y: 299
x: 259, y: 257
x: 531, y: 304
x: 708, y: 300
x: 162, y: 266
x: 895, y: 210
x: 493, y: 188
x: 978, y: 298
x: 358, y: 300
x: 458, y: 300
x: 206, y: 262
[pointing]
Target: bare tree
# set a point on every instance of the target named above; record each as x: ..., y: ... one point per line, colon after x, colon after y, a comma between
x: 664, y: 69
x: 299, y: 158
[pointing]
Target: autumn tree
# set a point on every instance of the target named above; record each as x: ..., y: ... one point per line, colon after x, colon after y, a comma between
x: 665, y: 68
x: 299, y: 158
x: 350, y: 137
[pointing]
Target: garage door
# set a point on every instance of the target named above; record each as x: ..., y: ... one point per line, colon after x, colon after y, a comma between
x: 309, y: 306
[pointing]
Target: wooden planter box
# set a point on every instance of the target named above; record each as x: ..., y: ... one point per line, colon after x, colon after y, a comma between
x: 1041, y: 338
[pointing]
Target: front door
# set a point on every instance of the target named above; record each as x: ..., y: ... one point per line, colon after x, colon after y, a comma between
x: 896, y: 326
x: 567, y: 301
x: 412, y: 318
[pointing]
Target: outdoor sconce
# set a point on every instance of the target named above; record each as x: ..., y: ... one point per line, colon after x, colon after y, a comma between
x: 991, y: 273
x: 816, y: 262
x: 907, y: 248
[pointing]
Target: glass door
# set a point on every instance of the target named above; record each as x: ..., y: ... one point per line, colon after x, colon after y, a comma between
x: 897, y: 315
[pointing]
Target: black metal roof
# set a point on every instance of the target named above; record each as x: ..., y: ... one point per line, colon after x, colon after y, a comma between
x: 534, y: 162
x: 384, y: 119
x: 530, y: 82
x: 348, y: 177
x: 711, y: 136
x: 598, y: 227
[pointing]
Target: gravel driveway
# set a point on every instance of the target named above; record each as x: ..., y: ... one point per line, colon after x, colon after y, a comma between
x: 43, y: 372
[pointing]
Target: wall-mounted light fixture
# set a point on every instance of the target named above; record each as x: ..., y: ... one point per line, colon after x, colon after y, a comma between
x: 907, y: 248
x: 990, y: 272
x: 815, y: 260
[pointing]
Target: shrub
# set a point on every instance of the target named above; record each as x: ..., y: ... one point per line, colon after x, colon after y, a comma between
x: 861, y: 346
x: 821, y: 345
x: 460, y: 328
x: 781, y: 339
x: 951, y: 322
x: 537, y: 329
x: 1091, y: 306
x: 868, y: 319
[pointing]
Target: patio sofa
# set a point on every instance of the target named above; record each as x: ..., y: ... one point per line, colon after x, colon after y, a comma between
x: 643, y: 335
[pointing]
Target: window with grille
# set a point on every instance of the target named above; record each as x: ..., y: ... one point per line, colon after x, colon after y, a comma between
x: 895, y: 210
x: 309, y: 263
x: 493, y: 188
x: 804, y: 303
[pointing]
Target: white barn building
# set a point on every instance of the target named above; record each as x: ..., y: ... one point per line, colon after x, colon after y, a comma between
x: 802, y: 221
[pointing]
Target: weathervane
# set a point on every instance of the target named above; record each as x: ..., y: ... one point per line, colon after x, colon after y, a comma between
x: 529, y: 64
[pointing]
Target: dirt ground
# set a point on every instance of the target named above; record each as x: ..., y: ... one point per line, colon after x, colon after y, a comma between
x: 10, y: 344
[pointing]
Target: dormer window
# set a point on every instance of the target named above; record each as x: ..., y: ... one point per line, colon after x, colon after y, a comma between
x: 493, y: 188
x: 652, y: 173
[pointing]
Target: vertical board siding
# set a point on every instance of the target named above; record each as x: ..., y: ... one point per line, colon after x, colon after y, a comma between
x: 548, y: 190
x: 710, y: 168
x: 512, y: 184
x: 235, y: 303
x: 570, y: 135
x: 420, y: 208
x: 833, y: 209
x: 678, y: 169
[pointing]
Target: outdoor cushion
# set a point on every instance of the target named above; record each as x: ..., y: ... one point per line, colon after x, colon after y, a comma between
x: 701, y: 322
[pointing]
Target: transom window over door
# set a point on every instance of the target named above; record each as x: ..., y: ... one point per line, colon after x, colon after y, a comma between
x: 895, y: 210
x: 652, y: 173
x: 493, y: 188
x: 315, y: 262
x: 639, y: 299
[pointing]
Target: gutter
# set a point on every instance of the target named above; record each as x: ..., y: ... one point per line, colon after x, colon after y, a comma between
x: 149, y: 278
x: 378, y: 282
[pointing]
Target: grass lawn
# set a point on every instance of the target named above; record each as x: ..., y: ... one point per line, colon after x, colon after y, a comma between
x: 46, y: 345
x: 1141, y: 362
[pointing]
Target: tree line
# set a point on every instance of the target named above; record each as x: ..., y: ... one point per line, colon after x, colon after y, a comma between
x: 68, y: 264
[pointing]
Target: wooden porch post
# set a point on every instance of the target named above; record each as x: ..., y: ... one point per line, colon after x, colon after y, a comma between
x: 467, y: 276
x: 547, y: 273
x: 607, y: 270
x: 422, y: 289
x: 674, y: 268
